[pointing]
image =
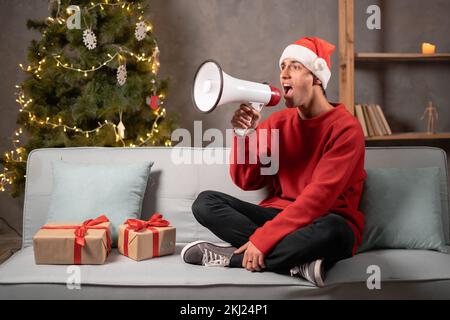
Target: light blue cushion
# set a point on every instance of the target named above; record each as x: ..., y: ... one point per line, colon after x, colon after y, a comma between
x: 85, y: 191
x: 402, y: 209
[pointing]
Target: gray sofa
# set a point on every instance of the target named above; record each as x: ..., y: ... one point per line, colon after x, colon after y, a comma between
x: 171, y: 191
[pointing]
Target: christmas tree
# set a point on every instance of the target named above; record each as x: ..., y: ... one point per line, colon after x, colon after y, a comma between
x: 91, y: 80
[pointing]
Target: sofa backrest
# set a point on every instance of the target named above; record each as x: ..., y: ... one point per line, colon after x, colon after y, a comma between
x: 173, y: 186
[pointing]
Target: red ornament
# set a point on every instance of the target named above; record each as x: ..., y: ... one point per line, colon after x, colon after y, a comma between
x: 153, y: 102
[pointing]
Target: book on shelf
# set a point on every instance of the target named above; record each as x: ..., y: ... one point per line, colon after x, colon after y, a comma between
x: 384, y: 121
x: 360, y: 116
x: 372, y: 120
x: 370, y: 129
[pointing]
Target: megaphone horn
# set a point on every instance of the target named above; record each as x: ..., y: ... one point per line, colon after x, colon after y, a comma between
x: 213, y: 87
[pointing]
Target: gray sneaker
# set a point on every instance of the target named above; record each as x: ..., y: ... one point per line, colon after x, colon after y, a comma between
x: 311, y: 271
x: 207, y: 254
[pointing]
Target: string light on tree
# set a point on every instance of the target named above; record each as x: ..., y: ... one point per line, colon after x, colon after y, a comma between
x: 120, y: 129
x: 155, y: 64
x: 65, y: 65
x: 66, y: 128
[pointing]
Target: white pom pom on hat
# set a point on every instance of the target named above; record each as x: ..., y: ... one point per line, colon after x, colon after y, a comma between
x: 314, y: 53
x: 320, y: 64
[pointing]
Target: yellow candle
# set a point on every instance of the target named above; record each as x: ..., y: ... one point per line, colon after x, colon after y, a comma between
x: 428, y: 48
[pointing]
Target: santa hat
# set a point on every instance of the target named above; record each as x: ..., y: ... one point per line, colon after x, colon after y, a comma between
x: 314, y: 54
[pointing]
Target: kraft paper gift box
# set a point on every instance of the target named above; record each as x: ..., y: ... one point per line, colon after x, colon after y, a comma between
x: 73, y: 243
x: 140, y: 240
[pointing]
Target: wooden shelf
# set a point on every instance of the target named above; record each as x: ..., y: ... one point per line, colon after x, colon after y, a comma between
x: 378, y: 56
x: 348, y: 58
x: 411, y: 136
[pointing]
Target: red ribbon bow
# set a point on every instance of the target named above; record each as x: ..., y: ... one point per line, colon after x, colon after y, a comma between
x: 156, y: 220
x: 80, y: 232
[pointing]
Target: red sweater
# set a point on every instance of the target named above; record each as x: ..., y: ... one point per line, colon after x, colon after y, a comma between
x: 321, y: 169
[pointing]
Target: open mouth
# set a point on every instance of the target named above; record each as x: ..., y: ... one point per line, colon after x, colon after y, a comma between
x: 287, y: 91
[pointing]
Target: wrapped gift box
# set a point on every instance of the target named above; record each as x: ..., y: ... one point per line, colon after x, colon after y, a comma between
x: 140, y: 240
x: 73, y: 243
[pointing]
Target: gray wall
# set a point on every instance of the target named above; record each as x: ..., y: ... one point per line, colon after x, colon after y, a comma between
x: 247, y: 38
x: 14, y: 40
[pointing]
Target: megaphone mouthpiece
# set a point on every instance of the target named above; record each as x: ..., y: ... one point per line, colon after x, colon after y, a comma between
x: 275, y: 96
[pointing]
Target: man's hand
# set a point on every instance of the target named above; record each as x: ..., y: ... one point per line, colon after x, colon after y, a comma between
x: 253, y: 258
x: 245, y: 117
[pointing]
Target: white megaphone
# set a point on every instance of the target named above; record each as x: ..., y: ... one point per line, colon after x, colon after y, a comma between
x: 213, y: 88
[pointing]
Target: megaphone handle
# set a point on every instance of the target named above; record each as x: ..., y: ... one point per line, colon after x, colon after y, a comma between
x: 257, y: 106
x: 242, y: 132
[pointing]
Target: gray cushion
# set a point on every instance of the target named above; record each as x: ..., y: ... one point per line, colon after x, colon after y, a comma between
x: 402, y: 209
x: 165, y: 273
x: 395, y: 265
x: 85, y: 191
x: 391, y: 290
x: 120, y: 270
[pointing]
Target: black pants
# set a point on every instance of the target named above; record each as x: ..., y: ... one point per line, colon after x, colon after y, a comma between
x: 234, y: 221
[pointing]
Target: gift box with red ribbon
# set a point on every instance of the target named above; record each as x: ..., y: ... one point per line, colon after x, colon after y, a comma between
x: 73, y: 243
x: 139, y: 239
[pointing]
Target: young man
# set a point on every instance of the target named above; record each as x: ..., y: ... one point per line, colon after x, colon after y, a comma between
x: 310, y: 220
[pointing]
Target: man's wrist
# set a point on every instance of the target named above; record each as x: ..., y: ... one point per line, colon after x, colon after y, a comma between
x: 247, y: 132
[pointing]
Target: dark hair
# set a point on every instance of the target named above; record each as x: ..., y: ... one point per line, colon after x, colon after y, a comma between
x: 321, y: 85
x: 323, y: 91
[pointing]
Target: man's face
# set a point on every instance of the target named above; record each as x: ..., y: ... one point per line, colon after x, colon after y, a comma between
x: 297, y: 83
